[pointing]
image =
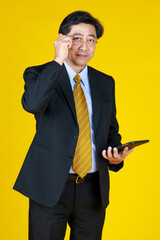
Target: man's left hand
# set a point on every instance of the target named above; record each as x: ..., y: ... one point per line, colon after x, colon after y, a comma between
x: 115, y: 157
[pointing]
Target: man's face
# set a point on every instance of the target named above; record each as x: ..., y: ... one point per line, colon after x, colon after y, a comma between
x: 83, y: 45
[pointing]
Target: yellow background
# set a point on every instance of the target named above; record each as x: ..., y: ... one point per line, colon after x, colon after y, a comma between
x: 130, y: 52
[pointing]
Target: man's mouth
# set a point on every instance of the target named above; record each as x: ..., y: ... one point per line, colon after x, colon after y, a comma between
x: 82, y: 54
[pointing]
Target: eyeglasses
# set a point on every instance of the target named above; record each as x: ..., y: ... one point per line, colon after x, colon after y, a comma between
x: 90, y: 41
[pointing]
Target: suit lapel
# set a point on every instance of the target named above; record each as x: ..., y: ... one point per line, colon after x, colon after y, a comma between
x: 96, y: 97
x: 65, y: 85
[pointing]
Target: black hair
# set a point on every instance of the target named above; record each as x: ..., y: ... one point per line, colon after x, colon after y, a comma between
x: 80, y: 17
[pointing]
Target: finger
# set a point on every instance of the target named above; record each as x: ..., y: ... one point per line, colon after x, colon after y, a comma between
x: 66, y: 38
x: 67, y: 41
x: 63, y: 37
x: 69, y: 44
x: 104, y: 154
x: 125, y: 151
x: 109, y: 152
x: 115, y: 153
x: 60, y: 35
x: 130, y: 150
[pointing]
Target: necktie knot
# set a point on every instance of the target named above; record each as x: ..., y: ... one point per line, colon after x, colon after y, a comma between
x: 77, y: 78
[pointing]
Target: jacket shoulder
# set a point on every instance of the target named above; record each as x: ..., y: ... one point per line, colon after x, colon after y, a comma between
x: 101, y: 75
x: 40, y: 68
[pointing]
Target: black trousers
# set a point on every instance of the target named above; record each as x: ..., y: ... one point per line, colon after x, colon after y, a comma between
x: 79, y: 206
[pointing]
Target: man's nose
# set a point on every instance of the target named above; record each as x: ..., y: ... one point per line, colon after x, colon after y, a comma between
x: 83, y: 45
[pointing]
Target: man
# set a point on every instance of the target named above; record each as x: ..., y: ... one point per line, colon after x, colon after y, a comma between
x: 65, y: 173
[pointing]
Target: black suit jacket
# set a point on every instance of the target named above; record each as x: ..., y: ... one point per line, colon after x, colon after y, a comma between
x: 48, y: 95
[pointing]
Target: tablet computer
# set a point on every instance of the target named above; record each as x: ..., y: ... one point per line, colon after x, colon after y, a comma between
x: 131, y: 145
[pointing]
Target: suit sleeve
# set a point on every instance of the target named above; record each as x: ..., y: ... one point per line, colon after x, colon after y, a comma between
x: 40, y: 82
x: 114, y: 136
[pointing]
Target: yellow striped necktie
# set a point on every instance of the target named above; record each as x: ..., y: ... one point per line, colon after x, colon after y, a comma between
x: 82, y: 162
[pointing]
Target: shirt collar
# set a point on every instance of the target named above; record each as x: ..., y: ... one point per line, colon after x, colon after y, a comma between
x: 83, y: 74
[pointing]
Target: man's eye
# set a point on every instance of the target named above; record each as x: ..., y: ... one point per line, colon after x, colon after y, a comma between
x: 77, y: 39
x: 91, y: 40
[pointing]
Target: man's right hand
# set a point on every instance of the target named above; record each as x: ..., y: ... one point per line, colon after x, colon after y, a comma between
x: 61, y: 45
